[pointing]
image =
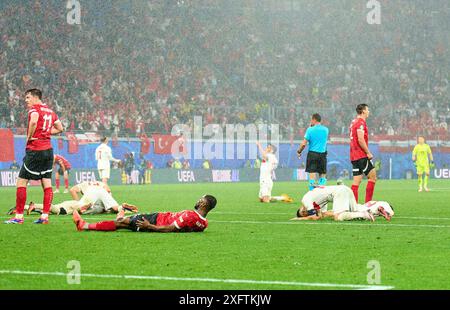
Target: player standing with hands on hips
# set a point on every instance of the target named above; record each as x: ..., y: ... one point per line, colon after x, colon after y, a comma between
x: 38, y: 161
x: 103, y: 155
x: 360, y: 155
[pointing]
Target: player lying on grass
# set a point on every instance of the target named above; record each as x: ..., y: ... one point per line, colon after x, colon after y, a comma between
x: 373, y: 207
x: 96, y: 198
x: 66, y: 208
x: 314, y: 205
x: 183, y: 221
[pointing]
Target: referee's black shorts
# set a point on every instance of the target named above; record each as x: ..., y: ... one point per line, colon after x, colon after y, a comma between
x: 316, y: 162
x: 362, y: 165
x: 151, y: 217
x: 37, y: 165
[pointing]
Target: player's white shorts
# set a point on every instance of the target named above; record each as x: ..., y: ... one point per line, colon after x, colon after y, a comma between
x: 265, y: 187
x: 344, y: 200
x: 104, y: 173
x: 93, y: 195
x: 69, y: 206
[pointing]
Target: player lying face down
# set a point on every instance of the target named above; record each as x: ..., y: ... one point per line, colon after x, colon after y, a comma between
x: 183, y: 221
x: 366, y: 211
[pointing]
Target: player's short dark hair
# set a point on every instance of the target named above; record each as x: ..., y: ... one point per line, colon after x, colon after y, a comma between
x: 361, y: 107
x: 317, y: 117
x: 274, y: 148
x: 211, y: 201
x: 34, y: 92
x: 103, y: 139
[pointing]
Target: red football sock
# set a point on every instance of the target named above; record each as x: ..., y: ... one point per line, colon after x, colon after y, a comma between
x: 66, y: 183
x: 57, y: 183
x: 355, y: 191
x: 21, y: 198
x: 369, y: 190
x: 103, y: 226
x: 48, y: 197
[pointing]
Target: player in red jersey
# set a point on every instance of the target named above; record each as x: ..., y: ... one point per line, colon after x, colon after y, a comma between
x: 183, y: 221
x: 64, y: 169
x: 360, y: 155
x: 38, y: 160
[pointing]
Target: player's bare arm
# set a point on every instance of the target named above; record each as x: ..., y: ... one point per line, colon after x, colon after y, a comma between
x: 74, y: 192
x: 302, y: 147
x: 261, y: 150
x: 362, y: 143
x: 57, y: 128
x: 32, y: 125
x: 144, y: 224
x: 306, y: 218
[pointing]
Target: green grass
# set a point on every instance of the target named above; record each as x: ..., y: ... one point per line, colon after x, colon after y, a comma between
x: 245, y: 240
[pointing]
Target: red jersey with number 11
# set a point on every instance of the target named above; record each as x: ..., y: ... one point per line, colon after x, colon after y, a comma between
x: 356, y: 152
x: 43, y: 129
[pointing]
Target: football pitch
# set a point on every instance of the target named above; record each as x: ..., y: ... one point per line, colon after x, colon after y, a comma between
x: 248, y: 245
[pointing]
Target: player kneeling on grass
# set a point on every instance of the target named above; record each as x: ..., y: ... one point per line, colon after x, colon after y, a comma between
x: 314, y: 205
x: 96, y: 198
x: 268, y: 166
x: 184, y: 221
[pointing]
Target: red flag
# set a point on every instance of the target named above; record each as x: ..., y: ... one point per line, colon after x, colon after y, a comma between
x: 7, y: 145
x: 73, y: 143
x: 163, y: 143
x: 145, y: 144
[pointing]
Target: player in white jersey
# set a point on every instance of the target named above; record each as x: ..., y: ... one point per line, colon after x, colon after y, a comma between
x: 103, y: 155
x: 96, y: 198
x: 65, y: 207
x: 268, y: 165
x: 378, y: 208
x: 314, y: 205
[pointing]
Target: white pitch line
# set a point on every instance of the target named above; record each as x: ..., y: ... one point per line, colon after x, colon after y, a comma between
x: 287, y: 222
x: 329, y: 223
x: 423, y: 218
x: 211, y: 280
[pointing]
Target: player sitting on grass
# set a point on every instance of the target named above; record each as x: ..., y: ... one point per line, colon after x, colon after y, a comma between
x: 184, y: 221
x: 314, y: 205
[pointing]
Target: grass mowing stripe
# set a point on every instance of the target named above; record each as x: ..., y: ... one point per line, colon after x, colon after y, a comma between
x: 238, y: 281
x: 330, y: 223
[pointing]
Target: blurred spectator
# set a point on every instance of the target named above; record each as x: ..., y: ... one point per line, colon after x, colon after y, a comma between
x: 129, y: 166
x: 186, y: 165
x: 14, y: 166
x: 142, y: 168
x: 246, y: 62
x: 177, y: 164
x: 206, y: 164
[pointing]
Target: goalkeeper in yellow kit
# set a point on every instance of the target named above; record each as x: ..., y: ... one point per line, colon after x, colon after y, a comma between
x: 420, y: 158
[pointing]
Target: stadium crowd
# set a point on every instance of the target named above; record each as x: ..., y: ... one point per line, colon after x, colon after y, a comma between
x: 139, y: 66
